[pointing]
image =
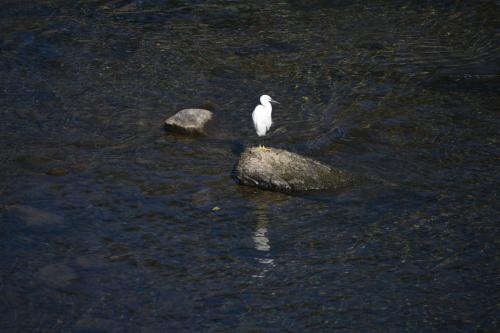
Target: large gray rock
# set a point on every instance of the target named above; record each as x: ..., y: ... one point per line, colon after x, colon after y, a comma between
x: 281, y: 170
x: 189, y: 121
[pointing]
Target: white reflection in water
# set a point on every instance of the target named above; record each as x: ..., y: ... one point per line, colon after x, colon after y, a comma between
x: 261, y: 242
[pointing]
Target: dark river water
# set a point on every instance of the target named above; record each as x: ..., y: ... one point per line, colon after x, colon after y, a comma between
x: 108, y: 221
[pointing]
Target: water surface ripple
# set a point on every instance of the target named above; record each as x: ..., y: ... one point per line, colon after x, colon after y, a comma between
x: 108, y: 222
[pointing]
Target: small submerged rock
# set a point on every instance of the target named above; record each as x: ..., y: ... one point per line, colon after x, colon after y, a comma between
x: 281, y: 170
x: 189, y: 121
x: 32, y: 216
x: 57, y: 275
x: 94, y: 324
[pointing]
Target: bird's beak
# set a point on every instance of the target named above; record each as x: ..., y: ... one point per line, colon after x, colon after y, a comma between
x: 273, y: 101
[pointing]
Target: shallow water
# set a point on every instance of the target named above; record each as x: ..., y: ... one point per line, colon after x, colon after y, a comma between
x: 108, y: 221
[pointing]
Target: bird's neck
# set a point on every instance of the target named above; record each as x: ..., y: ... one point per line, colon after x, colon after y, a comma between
x: 267, y: 106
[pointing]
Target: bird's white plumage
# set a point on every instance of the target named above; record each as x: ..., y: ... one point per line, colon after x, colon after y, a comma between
x: 262, y: 115
x: 261, y: 120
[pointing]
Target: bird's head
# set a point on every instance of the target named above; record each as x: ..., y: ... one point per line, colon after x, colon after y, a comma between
x: 267, y: 99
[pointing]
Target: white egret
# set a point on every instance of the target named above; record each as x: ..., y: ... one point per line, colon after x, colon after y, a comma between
x: 261, y: 116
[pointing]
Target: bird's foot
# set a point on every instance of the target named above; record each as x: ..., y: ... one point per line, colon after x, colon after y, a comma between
x: 263, y: 148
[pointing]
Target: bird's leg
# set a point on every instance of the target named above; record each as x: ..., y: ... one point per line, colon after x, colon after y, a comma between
x: 263, y: 148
